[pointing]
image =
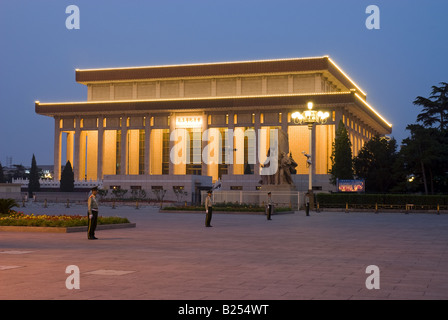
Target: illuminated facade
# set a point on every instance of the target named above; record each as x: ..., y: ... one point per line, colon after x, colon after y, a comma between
x: 122, y: 134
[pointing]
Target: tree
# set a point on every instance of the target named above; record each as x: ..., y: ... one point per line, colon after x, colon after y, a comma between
x: 248, y: 169
x: 67, y: 183
x: 435, y: 108
x: 33, y: 184
x: 425, y: 153
x: 2, y: 176
x: 341, y: 156
x: 377, y: 164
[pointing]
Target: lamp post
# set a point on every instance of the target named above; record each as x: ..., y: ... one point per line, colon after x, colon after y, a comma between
x: 310, y: 117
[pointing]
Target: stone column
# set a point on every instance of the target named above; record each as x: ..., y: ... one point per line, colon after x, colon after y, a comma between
x: 124, y: 146
x: 204, y: 165
x: 99, y: 168
x: 257, y: 126
x: 312, y: 132
x: 147, y: 143
x: 230, y: 152
x: 57, y: 149
x: 172, y: 124
x: 77, y: 159
x: 70, y: 145
x: 338, y: 117
x: 285, y: 124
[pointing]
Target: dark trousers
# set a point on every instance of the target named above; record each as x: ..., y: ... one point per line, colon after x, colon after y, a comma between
x: 92, y: 224
x: 269, y: 211
x: 208, y: 217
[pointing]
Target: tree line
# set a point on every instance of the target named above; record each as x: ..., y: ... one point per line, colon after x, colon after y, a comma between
x: 420, y: 165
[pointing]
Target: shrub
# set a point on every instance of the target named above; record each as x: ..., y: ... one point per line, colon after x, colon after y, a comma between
x: 369, y: 200
x: 6, y: 205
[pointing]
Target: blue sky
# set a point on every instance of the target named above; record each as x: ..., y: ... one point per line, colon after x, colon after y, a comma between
x: 39, y: 55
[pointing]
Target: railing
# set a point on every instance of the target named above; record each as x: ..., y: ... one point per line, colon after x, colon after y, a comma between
x: 377, y: 207
x: 44, y: 183
x: 290, y: 199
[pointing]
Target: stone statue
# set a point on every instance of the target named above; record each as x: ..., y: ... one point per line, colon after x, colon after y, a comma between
x: 284, y: 172
x: 286, y: 164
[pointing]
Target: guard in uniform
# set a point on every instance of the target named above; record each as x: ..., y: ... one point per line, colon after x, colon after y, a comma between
x: 269, y: 206
x: 208, y: 209
x: 92, y: 207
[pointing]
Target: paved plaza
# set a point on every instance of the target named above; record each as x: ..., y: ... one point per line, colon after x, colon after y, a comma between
x: 172, y: 256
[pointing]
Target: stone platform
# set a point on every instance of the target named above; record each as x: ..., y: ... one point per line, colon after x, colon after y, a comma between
x: 172, y: 256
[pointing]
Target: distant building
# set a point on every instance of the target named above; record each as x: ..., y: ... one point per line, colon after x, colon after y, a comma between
x: 121, y: 134
x: 10, y: 190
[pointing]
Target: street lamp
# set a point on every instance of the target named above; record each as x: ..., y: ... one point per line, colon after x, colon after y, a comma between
x: 310, y: 117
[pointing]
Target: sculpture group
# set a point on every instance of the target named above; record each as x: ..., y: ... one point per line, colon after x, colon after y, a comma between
x: 286, y: 164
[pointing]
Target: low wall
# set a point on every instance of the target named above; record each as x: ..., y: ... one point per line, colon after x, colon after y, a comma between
x: 291, y: 199
x: 60, y: 197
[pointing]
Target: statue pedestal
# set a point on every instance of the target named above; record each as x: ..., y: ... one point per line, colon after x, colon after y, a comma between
x: 278, y: 188
x: 283, y: 195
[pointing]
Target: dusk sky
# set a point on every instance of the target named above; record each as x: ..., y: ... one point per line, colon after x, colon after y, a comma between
x: 39, y: 55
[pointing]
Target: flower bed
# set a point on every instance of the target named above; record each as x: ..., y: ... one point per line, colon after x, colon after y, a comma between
x: 31, y: 220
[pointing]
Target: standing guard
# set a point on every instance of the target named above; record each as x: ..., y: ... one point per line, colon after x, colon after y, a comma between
x: 92, y: 207
x: 269, y: 206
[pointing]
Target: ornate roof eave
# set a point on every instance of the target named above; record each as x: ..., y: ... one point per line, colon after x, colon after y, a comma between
x: 350, y: 99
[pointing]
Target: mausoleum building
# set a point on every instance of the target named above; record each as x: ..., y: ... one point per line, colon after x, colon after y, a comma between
x: 143, y: 127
